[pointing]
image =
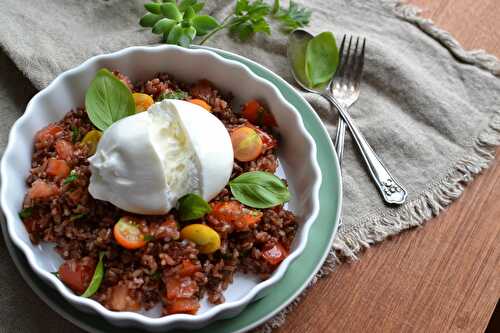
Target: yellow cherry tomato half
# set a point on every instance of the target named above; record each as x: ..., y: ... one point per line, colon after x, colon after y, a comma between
x: 91, y: 139
x: 247, y: 144
x: 207, y: 239
x: 201, y: 103
x: 142, y: 102
x: 128, y: 234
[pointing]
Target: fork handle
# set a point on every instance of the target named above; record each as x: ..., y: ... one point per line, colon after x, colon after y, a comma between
x: 339, y: 139
x: 392, y: 191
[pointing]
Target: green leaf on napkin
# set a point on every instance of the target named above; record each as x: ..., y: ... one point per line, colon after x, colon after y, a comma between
x: 321, y: 59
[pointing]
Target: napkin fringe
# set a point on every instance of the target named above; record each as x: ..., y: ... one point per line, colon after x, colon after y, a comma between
x: 430, y: 203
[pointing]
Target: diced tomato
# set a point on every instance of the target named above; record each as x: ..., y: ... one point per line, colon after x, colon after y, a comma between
x: 201, y: 103
x: 188, y: 268
x: 235, y: 213
x: 202, y: 89
x: 40, y: 189
x: 183, y: 305
x: 64, y: 149
x: 57, y: 168
x: 77, y: 274
x: 180, y: 287
x: 76, y: 195
x: 275, y: 254
x: 168, y: 228
x: 120, y: 299
x: 257, y: 114
x: 47, y: 133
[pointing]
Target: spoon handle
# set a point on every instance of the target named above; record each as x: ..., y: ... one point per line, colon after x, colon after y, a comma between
x: 392, y: 191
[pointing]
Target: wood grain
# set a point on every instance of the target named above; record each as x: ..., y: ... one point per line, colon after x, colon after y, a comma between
x: 444, y: 277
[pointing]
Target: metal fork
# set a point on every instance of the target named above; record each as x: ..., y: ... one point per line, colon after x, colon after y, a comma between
x: 342, y: 92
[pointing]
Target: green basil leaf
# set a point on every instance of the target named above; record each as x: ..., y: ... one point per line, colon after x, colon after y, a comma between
x: 149, y: 20
x: 95, y: 283
x: 175, y: 34
x: 170, y: 10
x: 322, y: 58
x: 25, y: 213
x: 163, y: 26
x: 153, y: 7
x: 192, y: 207
x: 259, y: 189
x: 108, y: 100
x: 189, y: 14
x: 297, y: 52
x: 204, y: 23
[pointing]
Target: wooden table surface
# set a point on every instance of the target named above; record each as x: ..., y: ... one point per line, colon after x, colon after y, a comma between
x: 443, y: 277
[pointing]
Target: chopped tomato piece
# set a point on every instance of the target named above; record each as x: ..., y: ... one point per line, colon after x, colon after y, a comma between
x: 76, y: 195
x: 201, y: 103
x: 275, y: 254
x: 235, y: 213
x: 57, y: 168
x: 64, y: 149
x: 188, y: 268
x: 40, y: 189
x: 48, y: 132
x: 128, y: 234
x: 121, y: 300
x: 180, y: 287
x: 183, y: 305
x: 247, y: 144
x: 258, y: 115
x: 77, y: 274
x: 167, y: 229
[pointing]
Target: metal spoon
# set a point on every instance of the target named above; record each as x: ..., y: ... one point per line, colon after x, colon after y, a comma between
x: 392, y: 191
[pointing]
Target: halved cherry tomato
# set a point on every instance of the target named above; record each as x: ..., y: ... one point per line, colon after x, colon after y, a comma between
x: 64, y: 149
x: 247, y: 144
x: 257, y: 114
x: 267, y: 140
x: 77, y: 274
x: 57, y: 168
x: 201, y: 103
x: 50, y: 131
x: 91, y: 139
x: 40, y: 189
x: 183, y: 305
x: 128, y: 234
x: 275, y: 254
x: 235, y: 213
x: 207, y: 239
x: 142, y: 102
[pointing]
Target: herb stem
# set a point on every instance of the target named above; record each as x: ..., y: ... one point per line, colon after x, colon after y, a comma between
x: 225, y: 23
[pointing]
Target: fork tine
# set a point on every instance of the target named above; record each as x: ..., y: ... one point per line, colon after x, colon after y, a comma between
x: 353, y: 63
x: 341, y: 51
x: 345, y: 60
x: 360, y: 60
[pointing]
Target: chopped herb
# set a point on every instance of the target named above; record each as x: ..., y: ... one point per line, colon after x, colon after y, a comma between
x: 71, y: 178
x: 77, y: 217
x: 25, y: 213
x: 148, y: 238
x: 178, y: 94
x: 95, y: 283
x: 75, y: 133
x: 156, y: 275
x: 292, y: 18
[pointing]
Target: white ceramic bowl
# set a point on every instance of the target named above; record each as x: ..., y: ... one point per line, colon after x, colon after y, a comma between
x: 297, y: 154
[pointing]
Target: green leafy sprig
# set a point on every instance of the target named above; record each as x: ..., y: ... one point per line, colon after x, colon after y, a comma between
x: 180, y: 23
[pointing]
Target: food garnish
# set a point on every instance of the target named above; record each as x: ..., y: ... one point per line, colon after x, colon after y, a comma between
x: 128, y: 234
x: 259, y: 189
x: 192, y: 207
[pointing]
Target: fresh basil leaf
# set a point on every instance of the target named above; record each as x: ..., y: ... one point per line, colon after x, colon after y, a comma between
x: 108, y: 100
x: 178, y: 94
x: 153, y: 7
x: 204, y: 23
x: 163, y: 26
x: 322, y: 58
x: 170, y: 10
x: 25, y: 213
x: 259, y: 189
x: 189, y: 14
x: 192, y: 207
x: 297, y: 51
x: 71, y: 178
x: 149, y: 20
x: 95, y: 283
